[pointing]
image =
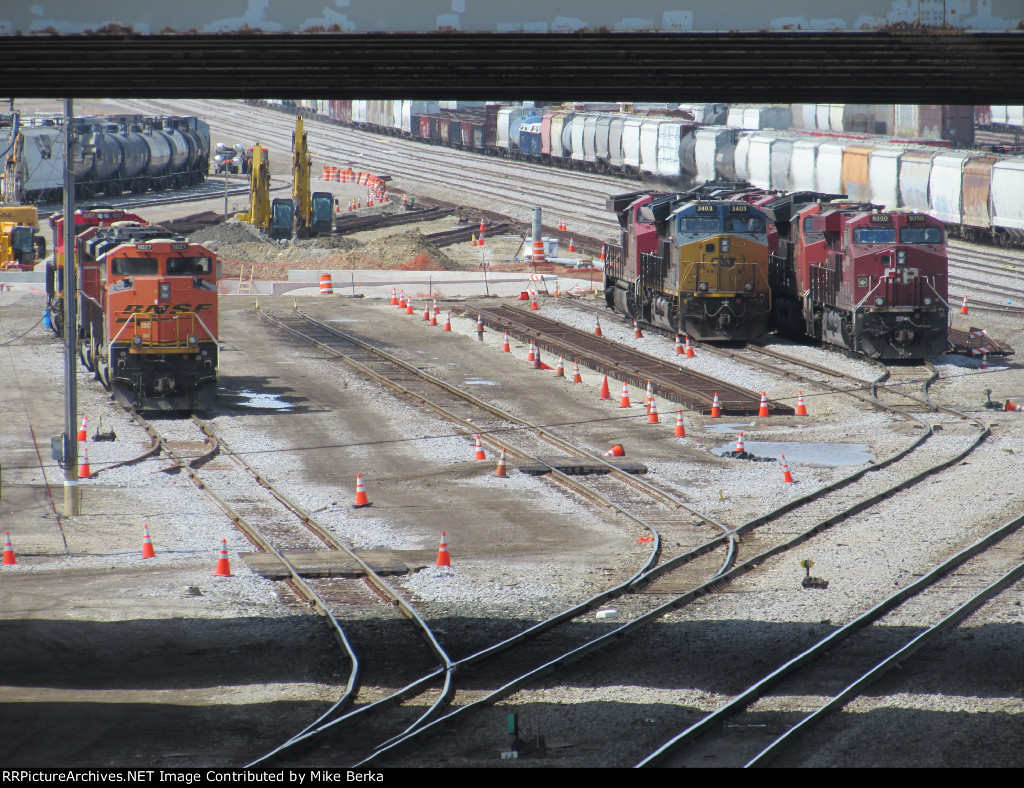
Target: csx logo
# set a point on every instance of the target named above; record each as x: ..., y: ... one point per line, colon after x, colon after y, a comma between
x: 160, y: 309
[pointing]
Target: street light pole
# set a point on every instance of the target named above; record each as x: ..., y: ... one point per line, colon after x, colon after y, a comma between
x: 71, y: 495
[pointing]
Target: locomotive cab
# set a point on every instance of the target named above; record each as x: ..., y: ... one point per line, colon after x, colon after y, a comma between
x: 160, y: 307
x: 883, y: 282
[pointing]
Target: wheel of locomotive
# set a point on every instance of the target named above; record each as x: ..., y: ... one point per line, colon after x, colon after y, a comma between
x: 94, y: 352
x: 103, y: 373
x: 85, y: 352
x: 57, y: 316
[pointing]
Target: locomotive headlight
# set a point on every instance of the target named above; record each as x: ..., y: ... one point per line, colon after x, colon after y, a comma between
x: 192, y: 340
x: 901, y: 257
x: 702, y: 287
x: 749, y: 287
x: 879, y: 301
x: 927, y: 302
x: 136, y: 340
x: 725, y: 245
x: 165, y: 291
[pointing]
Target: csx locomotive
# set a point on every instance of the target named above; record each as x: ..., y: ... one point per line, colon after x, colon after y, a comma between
x: 694, y: 262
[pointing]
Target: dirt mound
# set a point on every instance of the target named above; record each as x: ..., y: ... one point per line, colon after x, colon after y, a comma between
x: 239, y: 243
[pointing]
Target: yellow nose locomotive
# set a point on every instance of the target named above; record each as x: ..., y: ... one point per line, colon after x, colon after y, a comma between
x: 693, y: 263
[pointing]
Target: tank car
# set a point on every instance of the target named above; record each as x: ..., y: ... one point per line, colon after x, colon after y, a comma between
x: 148, y: 316
x: 694, y: 262
x: 854, y: 276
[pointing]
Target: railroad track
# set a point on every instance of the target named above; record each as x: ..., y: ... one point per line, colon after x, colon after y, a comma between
x: 704, y: 561
x: 672, y: 381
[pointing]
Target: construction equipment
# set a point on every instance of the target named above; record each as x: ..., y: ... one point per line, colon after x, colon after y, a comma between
x: 20, y: 245
x: 273, y: 218
x: 314, y: 214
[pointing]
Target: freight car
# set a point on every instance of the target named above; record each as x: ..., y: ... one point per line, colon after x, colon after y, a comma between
x: 854, y: 276
x: 693, y: 263
x: 148, y: 316
x: 124, y: 154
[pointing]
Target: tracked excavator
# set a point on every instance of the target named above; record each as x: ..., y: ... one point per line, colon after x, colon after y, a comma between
x: 273, y: 217
x: 314, y: 213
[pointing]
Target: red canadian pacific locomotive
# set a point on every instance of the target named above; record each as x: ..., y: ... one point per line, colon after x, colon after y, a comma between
x: 851, y: 275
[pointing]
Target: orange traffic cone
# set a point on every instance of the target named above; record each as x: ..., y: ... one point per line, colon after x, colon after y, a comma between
x: 716, y: 407
x: 739, y: 444
x: 500, y: 472
x: 9, y: 559
x: 1012, y: 406
x: 560, y: 369
x: 597, y: 329
x: 679, y: 346
x: 576, y: 376
x: 680, y: 427
x: 537, y: 362
x: 556, y: 294
x: 801, y: 409
x: 532, y: 354
x: 762, y: 412
x: 401, y: 300
x: 649, y: 396
x: 223, y: 565
x: 963, y: 308
x: 362, y: 500
x: 443, y: 559
x: 561, y: 225
x: 472, y: 239
x: 689, y: 348
x: 603, y: 248
x: 505, y: 347
x: 533, y: 301
x: 572, y: 244
x: 83, y: 469
x: 480, y: 326
x: 652, y: 414
x: 615, y: 451
x: 433, y: 319
x: 394, y: 297
x: 426, y: 311
x: 483, y: 230
x: 605, y: 393
x: 480, y: 455
x: 447, y: 321
x: 786, y: 475
x: 408, y: 307
x: 624, y: 402
x: 437, y: 309
x: 147, y: 544
x: 637, y: 333
x: 83, y: 431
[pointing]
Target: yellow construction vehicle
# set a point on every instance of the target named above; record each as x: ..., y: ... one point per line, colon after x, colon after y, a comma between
x: 20, y: 245
x: 314, y: 213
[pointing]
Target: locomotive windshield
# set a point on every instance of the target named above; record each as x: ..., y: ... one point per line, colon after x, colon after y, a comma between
x: 874, y: 235
x: 134, y: 266
x: 744, y: 224
x: 189, y: 266
x: 700, y: 224
x: 920, y: 235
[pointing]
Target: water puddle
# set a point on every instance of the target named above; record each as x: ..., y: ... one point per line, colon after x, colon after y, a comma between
x: 823, y: 454
x: 478, y: 382
x: 254, y: 399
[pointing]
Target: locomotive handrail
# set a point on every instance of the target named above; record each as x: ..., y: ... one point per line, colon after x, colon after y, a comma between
x: 134, y: 317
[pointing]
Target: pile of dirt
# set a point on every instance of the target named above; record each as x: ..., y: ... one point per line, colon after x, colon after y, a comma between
x: 239, y: 244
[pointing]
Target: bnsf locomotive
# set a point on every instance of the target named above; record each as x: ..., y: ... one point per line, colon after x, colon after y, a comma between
x: 693, y: 263
x: 148, y: 316
x: 851, y: 275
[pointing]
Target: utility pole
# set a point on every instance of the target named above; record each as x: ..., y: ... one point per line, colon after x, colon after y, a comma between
x: 71, y: 494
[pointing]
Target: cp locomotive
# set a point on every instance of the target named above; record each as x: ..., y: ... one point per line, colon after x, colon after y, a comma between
x: 693, y: 262
x: 851, y: 275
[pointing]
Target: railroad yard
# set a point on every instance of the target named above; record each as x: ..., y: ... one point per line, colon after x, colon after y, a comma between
x: 677, y: 605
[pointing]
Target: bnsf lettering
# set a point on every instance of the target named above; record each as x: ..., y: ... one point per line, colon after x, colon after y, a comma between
x: 704, y: 208
x: 160, y: 309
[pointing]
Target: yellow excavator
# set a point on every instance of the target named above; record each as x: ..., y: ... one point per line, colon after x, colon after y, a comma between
x: 273, y: 217
x: 313, y: 212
